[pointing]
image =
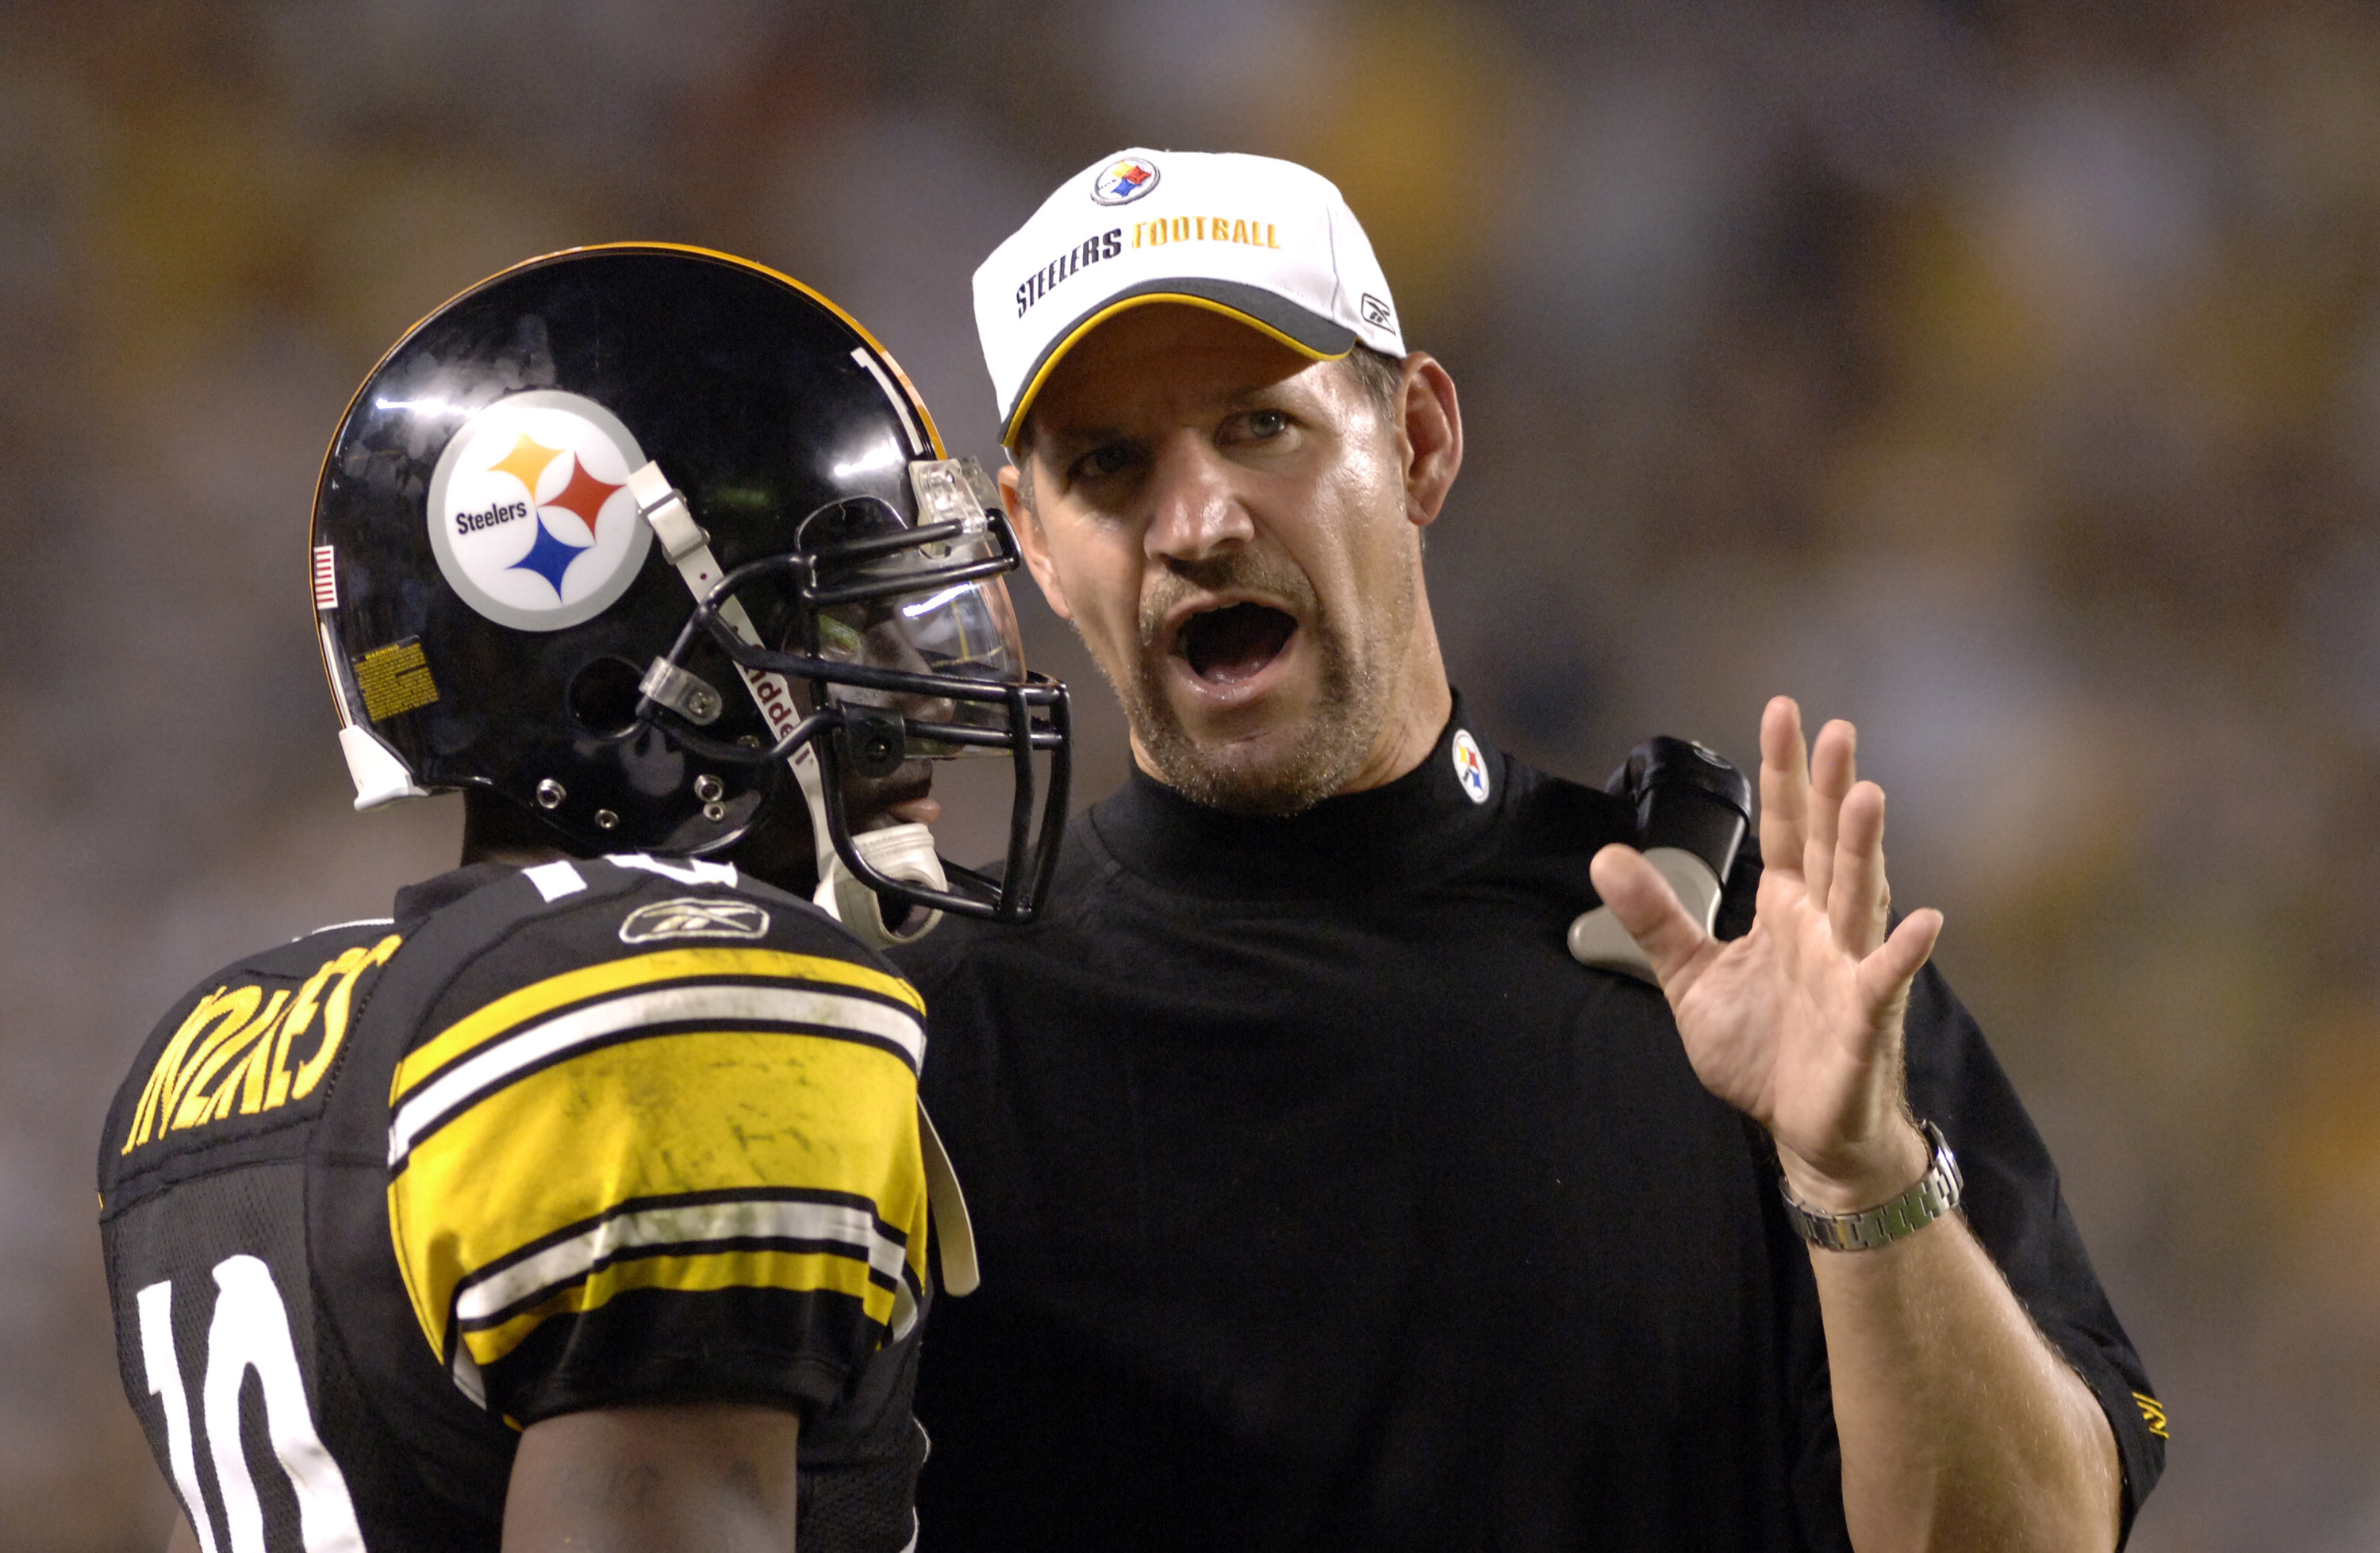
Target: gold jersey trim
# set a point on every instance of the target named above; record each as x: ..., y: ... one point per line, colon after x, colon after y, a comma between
x: 2152, y: 1414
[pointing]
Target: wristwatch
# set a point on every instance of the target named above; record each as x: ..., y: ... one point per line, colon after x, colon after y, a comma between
x: 1936, y: 1193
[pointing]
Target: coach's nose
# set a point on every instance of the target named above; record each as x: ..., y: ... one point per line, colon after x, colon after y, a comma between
x: 1196, y: 511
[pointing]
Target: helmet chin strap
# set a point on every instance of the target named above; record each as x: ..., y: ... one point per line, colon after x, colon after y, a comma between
x: 902, y: 851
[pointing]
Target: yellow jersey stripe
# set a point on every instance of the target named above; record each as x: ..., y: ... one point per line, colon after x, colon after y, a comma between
x: 497, y: 1063
x: 661, y: 1117
x: 699, y: 1272
x: 635, y: 971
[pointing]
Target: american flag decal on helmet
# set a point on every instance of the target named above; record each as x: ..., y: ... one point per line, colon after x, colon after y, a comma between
x: 326, y: 579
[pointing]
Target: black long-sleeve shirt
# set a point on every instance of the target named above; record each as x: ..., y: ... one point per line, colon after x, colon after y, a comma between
x: 1324, y: 1201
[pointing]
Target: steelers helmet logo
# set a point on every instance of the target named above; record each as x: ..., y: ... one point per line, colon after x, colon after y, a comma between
x: 529, y: 513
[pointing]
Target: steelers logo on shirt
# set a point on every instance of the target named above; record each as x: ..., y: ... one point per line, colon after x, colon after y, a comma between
x: 529, y: 512
x: 1470, y: 766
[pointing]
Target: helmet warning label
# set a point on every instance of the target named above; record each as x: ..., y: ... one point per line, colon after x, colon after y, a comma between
x: 394, y: 678
x: 529, y: 512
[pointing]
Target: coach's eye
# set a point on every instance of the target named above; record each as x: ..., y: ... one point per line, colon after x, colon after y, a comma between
x: 1105, y: 463
x: 1267, y: 422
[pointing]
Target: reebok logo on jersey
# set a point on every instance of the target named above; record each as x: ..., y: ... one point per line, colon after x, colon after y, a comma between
x: 691, y: 916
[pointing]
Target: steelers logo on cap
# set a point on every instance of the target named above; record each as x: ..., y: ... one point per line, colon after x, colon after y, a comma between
x: 1119, y: 183
x: 529, y: 513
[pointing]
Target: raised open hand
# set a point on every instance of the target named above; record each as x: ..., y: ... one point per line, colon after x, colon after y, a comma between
x: 1798, y: 1023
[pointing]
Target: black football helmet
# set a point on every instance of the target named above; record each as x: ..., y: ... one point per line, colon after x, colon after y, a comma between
x: 587, y: 532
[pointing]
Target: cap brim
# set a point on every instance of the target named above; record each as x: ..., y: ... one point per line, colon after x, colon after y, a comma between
x: 1268, y: 312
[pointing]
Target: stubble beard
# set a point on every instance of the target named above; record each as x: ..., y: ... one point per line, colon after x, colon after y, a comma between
x: 1356, y: 682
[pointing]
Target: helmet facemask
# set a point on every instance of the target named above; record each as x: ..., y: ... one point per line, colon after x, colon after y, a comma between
x: 906, y: 637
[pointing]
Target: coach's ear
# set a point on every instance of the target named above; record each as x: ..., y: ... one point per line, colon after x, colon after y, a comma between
x: 1030, y: 539
x: 1429, y: 438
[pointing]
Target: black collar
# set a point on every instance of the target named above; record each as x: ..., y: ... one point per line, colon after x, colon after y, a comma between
x: 414, y: 902
x: 1420, y: 828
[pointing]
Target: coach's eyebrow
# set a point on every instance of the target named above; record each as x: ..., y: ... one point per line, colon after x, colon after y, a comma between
x: 1064, y: 447
x: 1256, y: 393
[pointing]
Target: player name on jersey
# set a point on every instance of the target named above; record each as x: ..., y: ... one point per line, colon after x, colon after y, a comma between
x: 240, y: 1052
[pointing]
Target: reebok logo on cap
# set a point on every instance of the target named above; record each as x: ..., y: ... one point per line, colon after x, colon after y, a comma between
x: 1266, y: 241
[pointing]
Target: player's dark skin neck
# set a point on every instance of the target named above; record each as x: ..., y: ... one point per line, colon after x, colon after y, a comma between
x: 497, y: 830
x: 778, y: 851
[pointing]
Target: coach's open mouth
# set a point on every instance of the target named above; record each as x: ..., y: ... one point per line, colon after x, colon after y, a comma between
x: 1225, y: 646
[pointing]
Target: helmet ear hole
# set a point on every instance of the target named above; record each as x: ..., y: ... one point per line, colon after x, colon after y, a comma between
x: 846, y: 519
x: 602, y: 696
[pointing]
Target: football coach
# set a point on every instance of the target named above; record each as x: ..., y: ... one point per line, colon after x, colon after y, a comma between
x: 1324, y: 1199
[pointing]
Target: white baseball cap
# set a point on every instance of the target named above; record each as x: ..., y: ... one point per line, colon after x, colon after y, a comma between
x: 1265, y: 241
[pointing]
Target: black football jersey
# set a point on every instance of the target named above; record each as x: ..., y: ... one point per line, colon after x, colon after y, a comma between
x: 575, y: 1136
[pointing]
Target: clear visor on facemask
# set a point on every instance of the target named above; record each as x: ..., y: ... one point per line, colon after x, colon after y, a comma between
x: 963, y: 630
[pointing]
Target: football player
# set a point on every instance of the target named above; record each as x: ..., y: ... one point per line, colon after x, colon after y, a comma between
x: 584, y: 1202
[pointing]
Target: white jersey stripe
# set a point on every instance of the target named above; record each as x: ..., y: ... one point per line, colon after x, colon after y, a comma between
x: 497, y: 1063
x: 334, y: 927
x: 554, y: 880
x: 685, y: 1225
x: 685, y: 871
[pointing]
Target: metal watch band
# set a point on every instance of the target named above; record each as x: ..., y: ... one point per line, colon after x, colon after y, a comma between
x: 1936, y: 1193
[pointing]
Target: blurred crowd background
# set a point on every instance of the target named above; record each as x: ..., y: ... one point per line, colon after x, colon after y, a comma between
x: 2005, y: 376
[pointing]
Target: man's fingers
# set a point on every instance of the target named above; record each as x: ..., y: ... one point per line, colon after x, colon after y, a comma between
x: 1885, y: 975
x: 1855, y: 908
x: 1645, y: 904
x: 1784, y: 786
x: 1834, y: 766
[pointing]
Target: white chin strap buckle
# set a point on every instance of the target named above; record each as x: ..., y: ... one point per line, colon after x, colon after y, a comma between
x: 904, y: 852
x: 380, y: 778
x: 1597, y: 940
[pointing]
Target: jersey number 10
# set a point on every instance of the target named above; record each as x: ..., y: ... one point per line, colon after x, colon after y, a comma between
x: 250, y: 1331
